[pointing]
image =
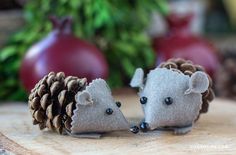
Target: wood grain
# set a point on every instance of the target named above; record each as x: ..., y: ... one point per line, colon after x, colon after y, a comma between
x: 214, y: 133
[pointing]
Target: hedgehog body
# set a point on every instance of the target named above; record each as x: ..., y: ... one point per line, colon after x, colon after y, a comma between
x: 173, y: 95
x: 68, y: 104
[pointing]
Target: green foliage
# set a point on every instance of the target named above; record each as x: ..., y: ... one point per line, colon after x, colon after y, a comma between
x: 117, y: 27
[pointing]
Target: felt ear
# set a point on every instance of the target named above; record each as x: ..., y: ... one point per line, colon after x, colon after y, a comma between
x: 198, y: 83
x: 137, y: 80
x: 98, y: 88
x: 84, y: 98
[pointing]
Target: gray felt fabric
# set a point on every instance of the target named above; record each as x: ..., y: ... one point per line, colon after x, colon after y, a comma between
x: 185, y: 92
x: 90, y: 113
x: 85, y: 135
x: 137, y: 80
x: 194, y: 86
x: 183, y: 130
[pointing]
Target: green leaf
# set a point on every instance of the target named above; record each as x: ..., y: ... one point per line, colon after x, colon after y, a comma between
x: 18, y: 36
x: 7, y: 52
x: 125, y: 48
x: 31, y: 37
x: 163, y: 7
x: 149, y: 57
x: 20, y: 94
x: 128, y: 67
x: 114, y: 80
x: 75, y: 3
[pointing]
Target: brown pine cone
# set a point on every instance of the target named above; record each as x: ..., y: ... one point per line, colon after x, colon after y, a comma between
x: 188, y: 68
x: 52, y: 100
x: 226, y: 75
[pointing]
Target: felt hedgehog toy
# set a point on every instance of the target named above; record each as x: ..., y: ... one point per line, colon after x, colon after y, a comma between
x: 173, y: 95
x: 69, y: 105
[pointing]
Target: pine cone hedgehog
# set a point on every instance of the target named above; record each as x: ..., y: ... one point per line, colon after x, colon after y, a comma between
x: 68, y: 104
x: 173, y: 95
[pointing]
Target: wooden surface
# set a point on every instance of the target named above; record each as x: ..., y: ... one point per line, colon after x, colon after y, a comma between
x: 214, y: 133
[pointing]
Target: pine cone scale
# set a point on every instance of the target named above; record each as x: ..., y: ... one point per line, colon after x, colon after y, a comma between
x: 35, y: 103
x: 45, y: 101
x: 39, y: 115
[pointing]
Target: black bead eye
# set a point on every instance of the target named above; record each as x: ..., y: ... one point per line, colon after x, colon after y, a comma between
x: 168, y: 101
x: 118, y: 104
x: 109, y: 111
x: 143, y: 100
x: 144, y: 126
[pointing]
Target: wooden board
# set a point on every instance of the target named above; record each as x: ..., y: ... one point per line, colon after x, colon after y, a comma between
x: 215, y: 133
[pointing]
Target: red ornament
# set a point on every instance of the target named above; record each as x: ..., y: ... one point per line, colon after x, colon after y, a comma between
x: 181, y: 43
x: 62, y: 51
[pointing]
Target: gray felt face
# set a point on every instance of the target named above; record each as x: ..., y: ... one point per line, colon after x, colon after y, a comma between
x: 173, y: 99
x: 90, y: 113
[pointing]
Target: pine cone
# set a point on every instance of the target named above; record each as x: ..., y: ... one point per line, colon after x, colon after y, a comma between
x: 188, y: 68
x: 226, y: 83
x: 52, y: 100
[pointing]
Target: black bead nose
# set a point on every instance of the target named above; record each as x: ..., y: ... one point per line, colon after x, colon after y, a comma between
x: 118, y: 104
x: 109, y: 111
x: 144, y: 127
x: 143, y: 100
x: 134, y: 129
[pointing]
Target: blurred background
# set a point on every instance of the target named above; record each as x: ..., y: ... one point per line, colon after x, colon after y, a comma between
x: 110, y: 39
